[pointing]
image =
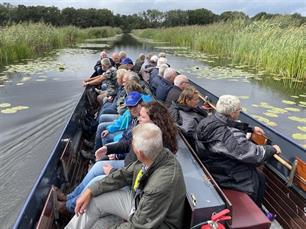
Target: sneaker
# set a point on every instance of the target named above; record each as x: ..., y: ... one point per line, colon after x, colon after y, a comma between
x: 271, y: 216
x: 88, y: 144
x: 60, y: 195
x: 88, y: 155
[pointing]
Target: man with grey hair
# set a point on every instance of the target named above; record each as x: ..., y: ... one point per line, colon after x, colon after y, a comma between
x: 180, y: 83
x: 230, y: 156
x: 157, y: 190
x: 165, y: 84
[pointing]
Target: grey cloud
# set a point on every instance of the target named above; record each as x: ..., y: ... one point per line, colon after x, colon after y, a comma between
x: 250, y: 7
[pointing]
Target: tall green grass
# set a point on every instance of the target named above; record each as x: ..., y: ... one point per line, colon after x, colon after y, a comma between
x: 270, y: 45
x: 22, y: 41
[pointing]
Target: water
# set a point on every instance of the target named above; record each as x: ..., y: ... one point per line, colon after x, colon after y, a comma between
x: 48, y: 96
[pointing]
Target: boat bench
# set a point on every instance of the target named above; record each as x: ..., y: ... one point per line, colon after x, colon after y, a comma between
x: 49, y: 212
x: 245, y: 213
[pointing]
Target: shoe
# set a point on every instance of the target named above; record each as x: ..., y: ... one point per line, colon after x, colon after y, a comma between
x: 60, y: 195
x: 98, y: 91
x: 271, y: 216
x: 88, y: 144
x: 61, y: 207
x: 88, y: 155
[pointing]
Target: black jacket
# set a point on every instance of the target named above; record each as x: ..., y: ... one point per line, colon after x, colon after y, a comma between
x: 187, y: 118
x: 230, y: 156
x: 162, y: 89
x: 173, y: 95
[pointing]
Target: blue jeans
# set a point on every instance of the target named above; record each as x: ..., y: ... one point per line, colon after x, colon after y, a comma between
x: 107, y: 117
x: 98, y: 138
x: 94, y: 174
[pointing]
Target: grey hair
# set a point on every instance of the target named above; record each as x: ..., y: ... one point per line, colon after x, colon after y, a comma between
x: 148, y: 138
x: 162, y: 68
x: 122, y: 54
x: 133, y: 76
x: 170, y: 74
x: 106, y: 61
x: 227, y: 104
x: 162, y: 54
x: 161, y: 61
x: 180, y: 79
x: 142, y: 56
x: 153, y: 59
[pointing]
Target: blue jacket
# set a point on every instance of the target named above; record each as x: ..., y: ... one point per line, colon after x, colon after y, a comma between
x: 124, y: 120
x: 163, y: 89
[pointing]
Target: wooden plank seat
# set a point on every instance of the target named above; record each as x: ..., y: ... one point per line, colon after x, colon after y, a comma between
x: 49, y: 212
x: 245, y: 213
x: 67, y: 160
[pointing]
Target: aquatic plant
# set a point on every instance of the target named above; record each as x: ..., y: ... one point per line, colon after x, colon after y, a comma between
x: 266, y: 45
x: 29, y: 40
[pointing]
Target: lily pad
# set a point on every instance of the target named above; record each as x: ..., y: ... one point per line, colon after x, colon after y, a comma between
x: 244, y: 97
x: 19, y: 84
x: 277, y: 110
x: 302, y: 102
x: 297, y: 119
x: 294, y: 96
x: 299, y: 136
x: 255, y: 105
x: 288, y: 102
x: 41, y: 80
x: 8, y: 111
x: 270, y: 114
x: 292, y: 109
x: 264, y: 120
x: 302, y: 128
x: 19, y: 108
x: 4, y: 105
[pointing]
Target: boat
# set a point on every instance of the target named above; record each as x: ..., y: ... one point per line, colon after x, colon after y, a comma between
x: 65, y: 168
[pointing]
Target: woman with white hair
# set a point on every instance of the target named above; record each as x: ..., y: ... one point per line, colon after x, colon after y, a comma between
x: 230, y: 156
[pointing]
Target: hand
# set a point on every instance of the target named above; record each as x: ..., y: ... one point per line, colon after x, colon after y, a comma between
x: 107, y: 168
x: 258, y: 130
x: 84, y: 83
x: 82, y: 202
x: 278, y: 149
x: 100, y: 153
x: 111, y: 157
x: 104, y: 133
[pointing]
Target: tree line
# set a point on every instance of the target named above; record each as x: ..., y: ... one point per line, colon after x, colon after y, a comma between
x: 84, y: 18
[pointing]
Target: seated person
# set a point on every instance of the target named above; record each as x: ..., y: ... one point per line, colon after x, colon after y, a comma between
x: 186, y: 113
x: 165, y: 84
x: 230, y: 157
x: 152, y: 112
x: 157, y: 190
x: 180, y: 83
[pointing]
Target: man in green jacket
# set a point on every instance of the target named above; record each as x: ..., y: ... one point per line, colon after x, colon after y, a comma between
x: 157, y: 190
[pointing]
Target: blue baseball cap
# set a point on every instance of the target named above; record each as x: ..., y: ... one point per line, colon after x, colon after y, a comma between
x: 132, y: 99
x: 127, y: 60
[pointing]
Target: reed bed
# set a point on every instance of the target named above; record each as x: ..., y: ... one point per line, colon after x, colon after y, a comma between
x: 28, y: 40
x: 266, y: 45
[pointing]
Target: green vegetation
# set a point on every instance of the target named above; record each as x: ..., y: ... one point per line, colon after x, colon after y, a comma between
x: 276, y: 45
x: 23, y: 41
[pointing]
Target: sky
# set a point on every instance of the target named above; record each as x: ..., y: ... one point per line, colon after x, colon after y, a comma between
x: 250, y: 7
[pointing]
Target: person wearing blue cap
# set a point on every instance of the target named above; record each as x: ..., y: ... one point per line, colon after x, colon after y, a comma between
x: 128, y: 62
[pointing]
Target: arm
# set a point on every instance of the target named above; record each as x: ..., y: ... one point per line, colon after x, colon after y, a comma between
x: 117, y: 124
x: 116, y: 180
x: 237, y: 146
x: 97, y: 81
